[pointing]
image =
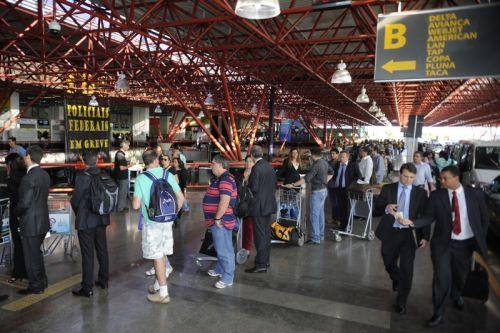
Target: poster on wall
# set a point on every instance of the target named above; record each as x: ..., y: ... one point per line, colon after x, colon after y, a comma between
x: 87, y: 128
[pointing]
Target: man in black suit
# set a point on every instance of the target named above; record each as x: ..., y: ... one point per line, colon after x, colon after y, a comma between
x: 33, y: 212
x: 399, y: 201
x: 461, y: 222
x: 345, y: 173
x: 262, y: 183
x: 91, y: 229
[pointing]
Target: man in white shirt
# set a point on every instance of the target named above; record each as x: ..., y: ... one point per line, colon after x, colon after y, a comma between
x: 424, y: 174
x: 365, y: 165
x: 461, y: 223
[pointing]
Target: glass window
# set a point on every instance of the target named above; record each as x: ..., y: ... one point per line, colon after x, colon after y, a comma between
x: 488, y: 158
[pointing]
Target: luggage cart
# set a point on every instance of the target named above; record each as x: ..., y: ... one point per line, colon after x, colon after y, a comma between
x: 5, y: 236
x: 207, y: 252
x: 60, y: 217
x: 361, y: 206
x: 290, y: 212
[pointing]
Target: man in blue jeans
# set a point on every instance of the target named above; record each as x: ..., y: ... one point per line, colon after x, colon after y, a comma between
x: 218, y: 206
x: 318, y: 176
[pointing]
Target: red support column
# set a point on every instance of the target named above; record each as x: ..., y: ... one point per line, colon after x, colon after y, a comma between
x: 257, y: 120
x: 198, y: 121
x: 231, y: 111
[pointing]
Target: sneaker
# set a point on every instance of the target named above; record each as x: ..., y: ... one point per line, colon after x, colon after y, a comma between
x: 152, y: 271
x: 169, y: 271
x: 152, y: 290
x: 213, y: 273
x: 156, y: 298
x: 222, y: 285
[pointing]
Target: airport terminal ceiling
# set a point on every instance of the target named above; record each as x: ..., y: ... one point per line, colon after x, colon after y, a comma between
x: 178, y: 52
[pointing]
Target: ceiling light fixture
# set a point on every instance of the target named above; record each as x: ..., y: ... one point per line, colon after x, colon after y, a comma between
x: 209, y: 101
x: 121, y: 84
x: 257, y: 9
x: 93, y: 101
x: 158, y: 109
x: 54, y: 27
x: 363, y: 97
x: 374, y: 107
x: 341, y: 75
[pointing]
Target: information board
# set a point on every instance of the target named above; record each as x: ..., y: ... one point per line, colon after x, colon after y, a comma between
x: 441, y: 44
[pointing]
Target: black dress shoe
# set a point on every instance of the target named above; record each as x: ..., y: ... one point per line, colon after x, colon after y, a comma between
x: 256, y: 270
x: 400, y: 309
x: 29, y: 291
x: 435, y: 321
x: 103, y: 285
x: 311, y: 242
x: 82, y: 293
x: 3, y: 297
x: 460, y: 303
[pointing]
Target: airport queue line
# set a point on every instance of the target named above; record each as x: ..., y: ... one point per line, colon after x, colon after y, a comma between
x: 295, y: 275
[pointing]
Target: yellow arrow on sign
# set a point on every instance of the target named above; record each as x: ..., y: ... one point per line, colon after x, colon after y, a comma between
x: 392, y: 66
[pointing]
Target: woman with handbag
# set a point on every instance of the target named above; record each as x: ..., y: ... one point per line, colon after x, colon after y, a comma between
x: 16, y: 171
x: 247, y: 220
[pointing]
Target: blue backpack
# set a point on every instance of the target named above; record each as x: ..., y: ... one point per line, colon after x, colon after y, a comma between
x: 162, y: 202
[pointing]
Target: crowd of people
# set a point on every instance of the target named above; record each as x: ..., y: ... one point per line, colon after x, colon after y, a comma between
x: 407, y: 208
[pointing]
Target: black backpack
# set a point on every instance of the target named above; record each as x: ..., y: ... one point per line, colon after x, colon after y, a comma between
x: 103, y: 193
x: 243, y: 200
x: 162, y: 201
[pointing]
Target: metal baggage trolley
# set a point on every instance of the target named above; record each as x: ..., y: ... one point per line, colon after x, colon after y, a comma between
x: 5, y: 236
x: 60, y: 218
x: 241, y: 255
x: 290, y: 211
x: 361, y: 201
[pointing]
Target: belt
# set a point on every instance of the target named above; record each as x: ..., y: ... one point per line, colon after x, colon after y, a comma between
x: 421, y: 186
x: 401, y: 229
x: 462, y: 240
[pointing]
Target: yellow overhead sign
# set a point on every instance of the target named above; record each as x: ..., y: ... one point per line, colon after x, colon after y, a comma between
x: 451, y: 43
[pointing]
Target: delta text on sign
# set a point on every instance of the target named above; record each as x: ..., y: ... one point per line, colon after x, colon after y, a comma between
x: 441, y: 44
x: 87, y: 127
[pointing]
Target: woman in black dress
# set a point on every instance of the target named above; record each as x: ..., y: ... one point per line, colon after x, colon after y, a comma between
x: 292, y: 168
x: 166, y: 163
x: 182, y: 176
x: 16, y: 171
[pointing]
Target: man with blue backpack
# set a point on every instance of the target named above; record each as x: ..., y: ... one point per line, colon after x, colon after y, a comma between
x: 160, y: 198
x: 94, y: 198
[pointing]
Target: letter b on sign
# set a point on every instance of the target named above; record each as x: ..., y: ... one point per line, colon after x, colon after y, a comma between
x: 394, y: 36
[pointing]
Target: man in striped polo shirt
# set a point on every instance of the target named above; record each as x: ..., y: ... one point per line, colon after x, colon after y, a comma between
x: 218, y: 206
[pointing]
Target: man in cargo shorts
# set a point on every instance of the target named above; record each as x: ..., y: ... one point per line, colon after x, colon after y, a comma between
x: 157, y: 238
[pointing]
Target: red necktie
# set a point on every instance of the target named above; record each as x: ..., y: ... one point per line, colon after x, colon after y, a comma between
x: 456, y: 211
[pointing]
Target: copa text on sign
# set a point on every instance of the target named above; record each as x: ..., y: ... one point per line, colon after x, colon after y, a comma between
x: 441, y: 44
